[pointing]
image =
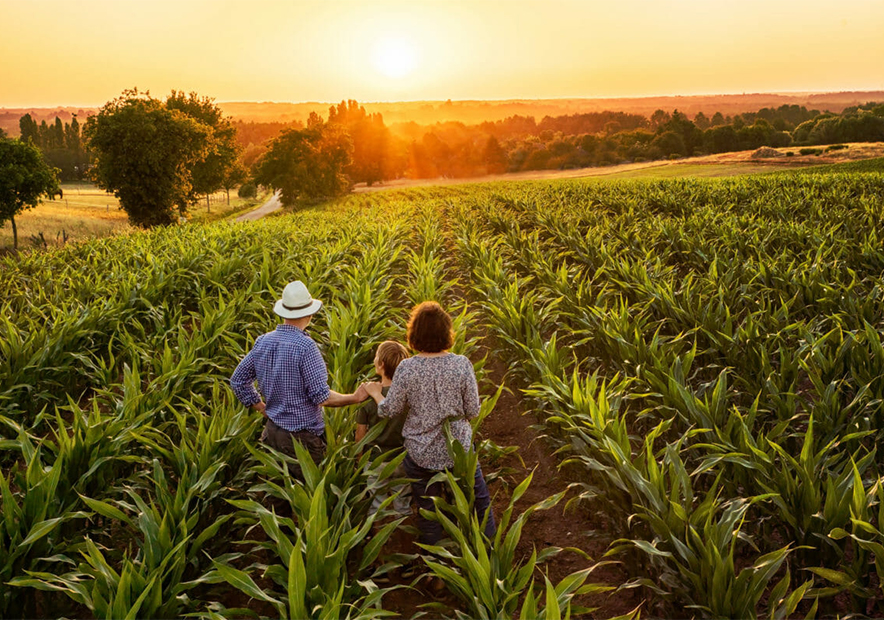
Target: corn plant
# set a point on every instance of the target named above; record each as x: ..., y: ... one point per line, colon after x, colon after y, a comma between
x: 322, y: 534
x: 486, y: 575
x: 33, y: 518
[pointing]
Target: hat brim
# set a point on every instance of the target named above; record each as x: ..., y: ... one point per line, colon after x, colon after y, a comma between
x: 280, y: 310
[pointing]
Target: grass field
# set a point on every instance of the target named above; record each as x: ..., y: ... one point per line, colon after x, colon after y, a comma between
x: 694, y: 368
x: 87, y: 212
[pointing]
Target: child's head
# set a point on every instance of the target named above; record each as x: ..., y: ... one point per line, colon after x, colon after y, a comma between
x: 387, y: 359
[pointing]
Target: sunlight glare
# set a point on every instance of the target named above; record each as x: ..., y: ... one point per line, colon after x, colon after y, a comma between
x: 395, y: 57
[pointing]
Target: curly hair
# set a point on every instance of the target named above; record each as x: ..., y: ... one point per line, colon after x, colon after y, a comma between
x: 430, y: 328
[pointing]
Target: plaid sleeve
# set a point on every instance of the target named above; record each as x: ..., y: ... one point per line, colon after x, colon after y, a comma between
x: 243, y: 381
x: 315, y: 375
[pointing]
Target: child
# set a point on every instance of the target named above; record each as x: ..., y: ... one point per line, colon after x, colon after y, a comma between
x: 386, y: 360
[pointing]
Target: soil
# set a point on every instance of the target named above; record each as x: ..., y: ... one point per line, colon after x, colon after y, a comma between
x: 511, y: 425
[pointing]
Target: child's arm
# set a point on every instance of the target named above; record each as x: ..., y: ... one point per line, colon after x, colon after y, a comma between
x: 361, y: 430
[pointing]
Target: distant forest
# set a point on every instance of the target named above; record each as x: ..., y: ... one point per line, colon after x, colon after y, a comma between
x: 519, y: 142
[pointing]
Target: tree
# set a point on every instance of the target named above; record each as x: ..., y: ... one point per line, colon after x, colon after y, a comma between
x: 691, y: 137
x: 236, y: 175
x: 306, y: 163
x: 670, y: 143
x: 145, y: 153
x: 721, y: 139
x: 213, y: 171
x: 659, y: 118
x: 701, y: 121
x: 24, y: 178
x: 494, y: 157
x: 28, y: 128
x: 371, y: 159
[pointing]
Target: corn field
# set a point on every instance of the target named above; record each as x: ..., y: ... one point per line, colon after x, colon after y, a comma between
x: 705, y: 359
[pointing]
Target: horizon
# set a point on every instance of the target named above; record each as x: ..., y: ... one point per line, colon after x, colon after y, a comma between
x: 391, y: 51
x: 805, y: 93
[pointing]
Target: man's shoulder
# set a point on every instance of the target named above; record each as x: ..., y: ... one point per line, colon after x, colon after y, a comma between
x: 295, y: 337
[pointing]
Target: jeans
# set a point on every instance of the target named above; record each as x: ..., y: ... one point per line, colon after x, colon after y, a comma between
x: 281, y: 440
x: 431, y: 532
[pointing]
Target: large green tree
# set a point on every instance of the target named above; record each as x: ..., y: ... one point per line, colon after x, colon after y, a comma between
x: 305, y: 164
x: 145, y: 153
x: 217, y: 167
x: 24, y: 178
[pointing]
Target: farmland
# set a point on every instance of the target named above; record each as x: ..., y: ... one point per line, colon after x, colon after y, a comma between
x: 703, y: 358
x: 86, y: 212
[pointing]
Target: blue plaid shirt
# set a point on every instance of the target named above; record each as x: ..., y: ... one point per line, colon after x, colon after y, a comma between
x: 291, y: 375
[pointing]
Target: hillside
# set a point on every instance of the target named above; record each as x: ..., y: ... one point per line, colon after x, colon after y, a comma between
x: 683, y: 376
x: 471, y: 112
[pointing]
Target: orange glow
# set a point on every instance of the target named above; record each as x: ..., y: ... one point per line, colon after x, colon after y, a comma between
x: 60, y: 52
x: 394, y: 57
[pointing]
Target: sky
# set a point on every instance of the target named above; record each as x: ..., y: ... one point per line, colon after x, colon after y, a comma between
x: 87, y: 52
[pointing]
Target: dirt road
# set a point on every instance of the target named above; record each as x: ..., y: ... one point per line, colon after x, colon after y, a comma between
x: 274, y: 204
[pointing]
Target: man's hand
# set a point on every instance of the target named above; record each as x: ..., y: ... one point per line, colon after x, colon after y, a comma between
x: 361, y: 394
x: 260, y: 407
x: 373, y: 389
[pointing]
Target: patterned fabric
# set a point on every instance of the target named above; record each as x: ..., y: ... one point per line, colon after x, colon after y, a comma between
x: 291, y: 375
x: 433, y: 389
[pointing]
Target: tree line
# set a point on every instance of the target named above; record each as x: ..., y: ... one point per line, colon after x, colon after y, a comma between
x: 521, y: 143
x: 159, y: 156
x: 61, y: 144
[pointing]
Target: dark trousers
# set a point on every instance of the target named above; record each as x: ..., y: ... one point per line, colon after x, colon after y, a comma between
x: 431, y: 532
x: 281, y: 440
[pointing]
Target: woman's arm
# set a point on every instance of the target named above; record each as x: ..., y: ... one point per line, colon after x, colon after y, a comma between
x: 396, y: 400
x: 471, y: 403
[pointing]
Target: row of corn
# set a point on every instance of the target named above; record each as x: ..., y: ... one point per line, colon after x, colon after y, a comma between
x: 132, y: 482
x: 708, y: 358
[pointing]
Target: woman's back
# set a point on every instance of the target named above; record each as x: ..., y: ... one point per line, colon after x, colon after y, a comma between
x: 433, y: 389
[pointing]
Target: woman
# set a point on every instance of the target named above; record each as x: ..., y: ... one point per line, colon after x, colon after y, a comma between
x: 433, y: 386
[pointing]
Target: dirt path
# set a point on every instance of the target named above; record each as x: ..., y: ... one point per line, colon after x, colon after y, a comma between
x: 511, y: 425
x: 274, y: 204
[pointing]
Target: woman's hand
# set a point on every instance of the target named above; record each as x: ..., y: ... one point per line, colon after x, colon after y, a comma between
x: 374, y: 390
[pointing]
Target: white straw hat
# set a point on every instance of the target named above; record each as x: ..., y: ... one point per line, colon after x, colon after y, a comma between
x: 296, y: 302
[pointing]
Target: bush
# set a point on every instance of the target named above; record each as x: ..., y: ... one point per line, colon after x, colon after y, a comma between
x: 790, y: 154
x: 810, y: 151
x: 247, y: 190
x: 836, y: 147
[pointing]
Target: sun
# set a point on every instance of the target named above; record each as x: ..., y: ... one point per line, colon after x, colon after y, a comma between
x: 394, y: 57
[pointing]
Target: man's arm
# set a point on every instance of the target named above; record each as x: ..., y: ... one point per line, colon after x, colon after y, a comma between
x: 315, y: 376
x: 242, y: 382
x: 336, y: 399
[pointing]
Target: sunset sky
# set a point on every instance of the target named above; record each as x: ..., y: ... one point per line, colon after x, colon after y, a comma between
x: 86, y: 52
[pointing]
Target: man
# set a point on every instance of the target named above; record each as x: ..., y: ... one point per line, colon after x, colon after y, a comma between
x: 292, y: 377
